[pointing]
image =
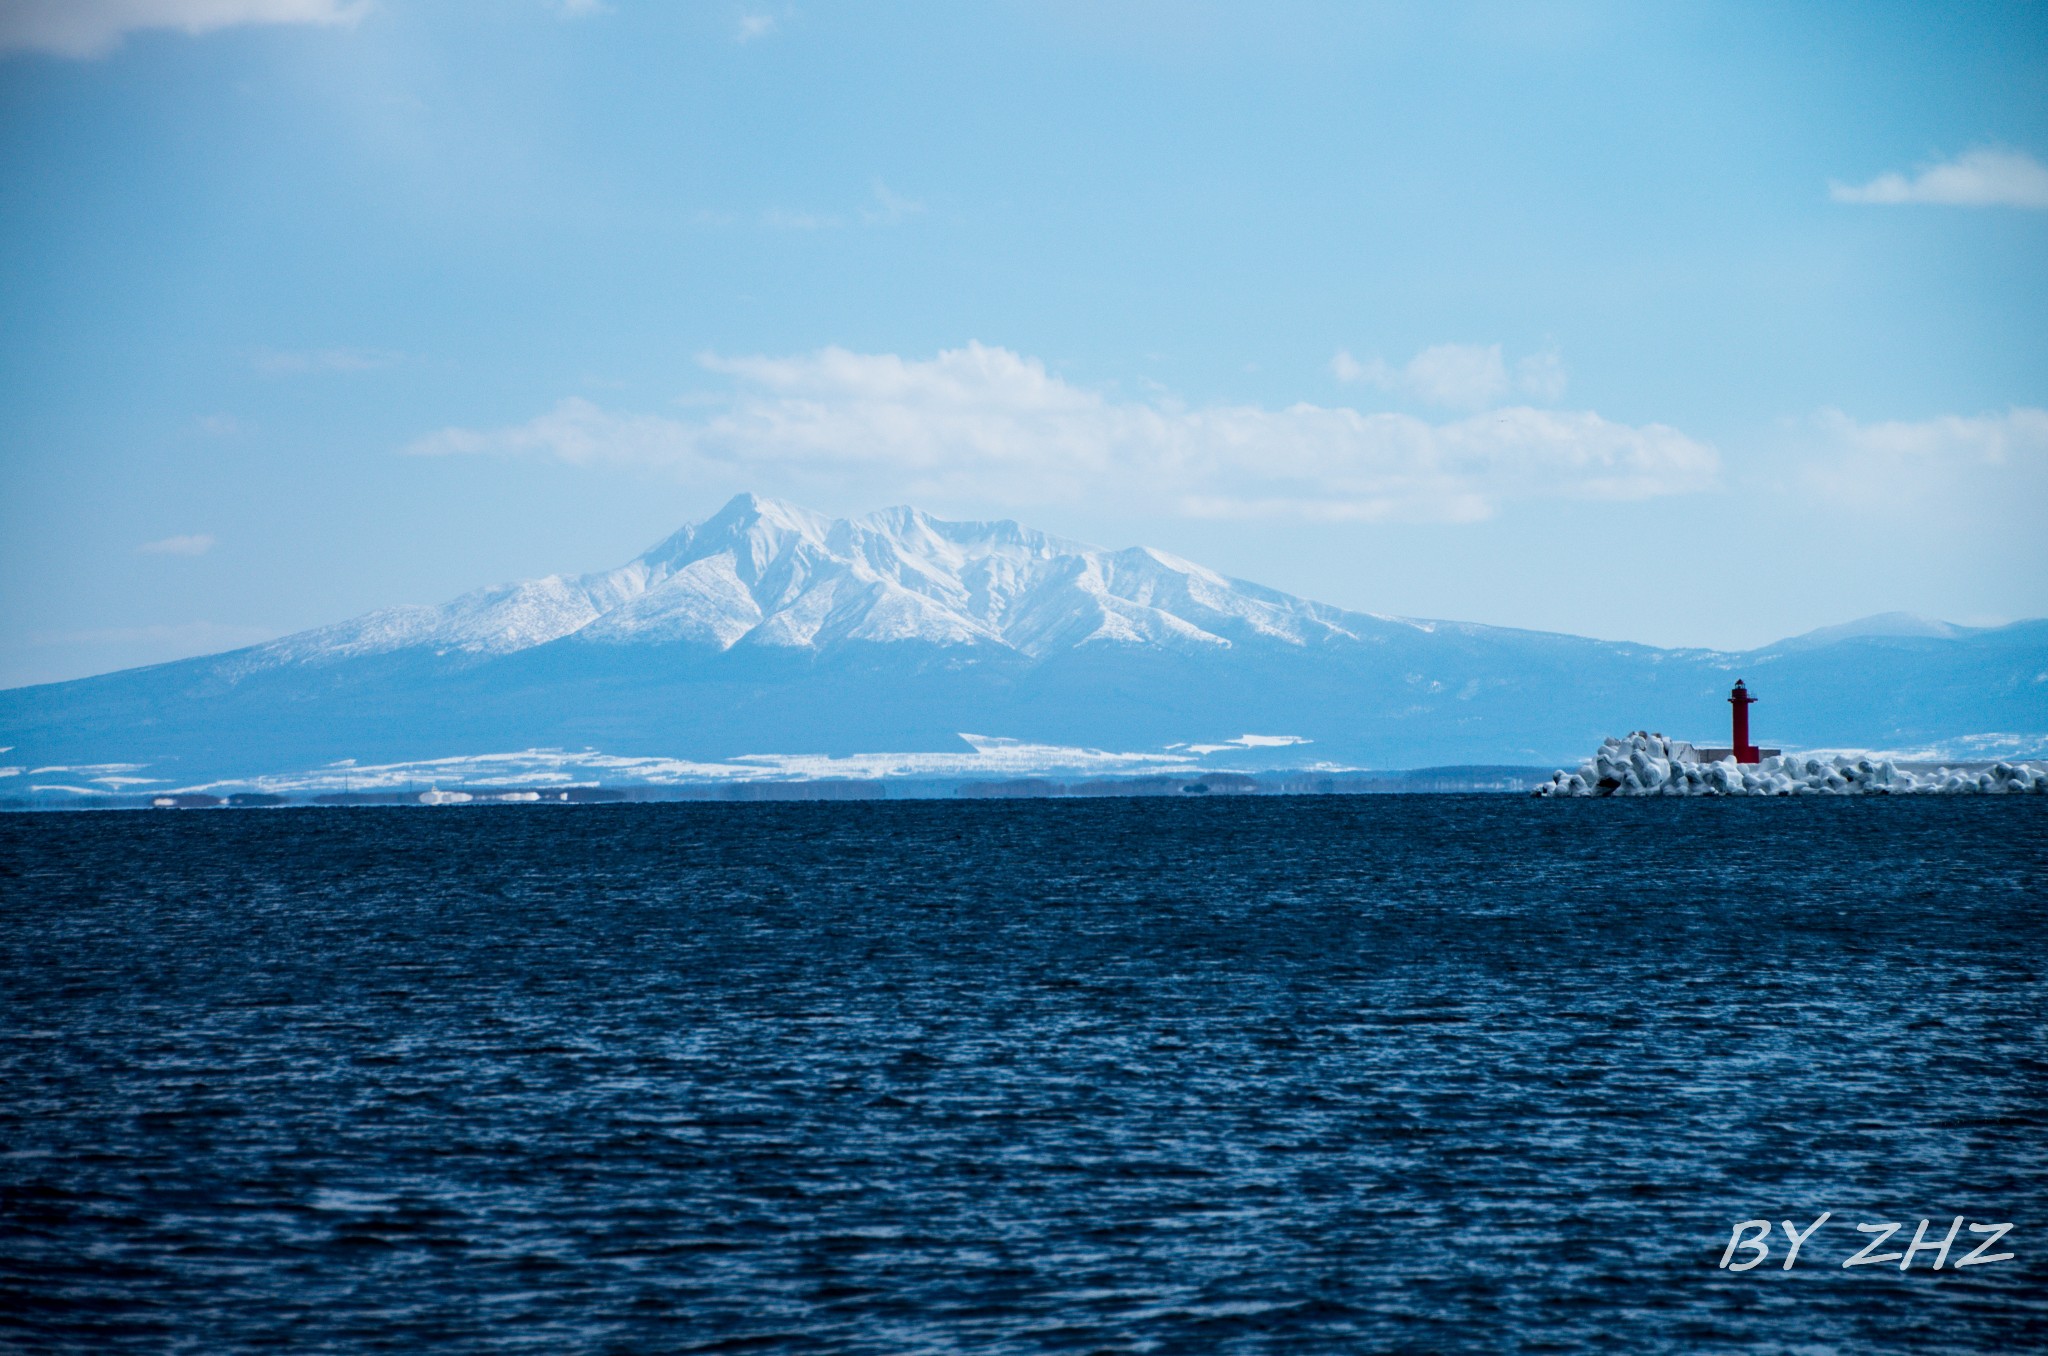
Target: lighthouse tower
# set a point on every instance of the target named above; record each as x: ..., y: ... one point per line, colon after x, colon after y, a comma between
x: 1745, y: 752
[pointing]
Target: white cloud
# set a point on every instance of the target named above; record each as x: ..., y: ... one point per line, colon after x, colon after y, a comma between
x: 576, y: 431
x: 1954, y: 471
x: 885, y: 207
x: 1459, y: 376
x: 196, y: 545
x: 2019, y: 435
x: 801, y: 221
x: 90, y: 28
x: 581, y: 9
x: 274, y: 363
x: 752, y: 26
x: 889, y: 207
x: 1979, y: 178
x: 986, y: 425
x: 219, y: 425
x: 1542, y: 376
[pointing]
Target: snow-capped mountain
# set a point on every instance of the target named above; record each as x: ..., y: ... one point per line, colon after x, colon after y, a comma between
x: 772, y: 637
x: 765, y: 573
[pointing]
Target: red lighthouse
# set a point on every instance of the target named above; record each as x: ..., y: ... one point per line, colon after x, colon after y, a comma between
x: 1745, y: 752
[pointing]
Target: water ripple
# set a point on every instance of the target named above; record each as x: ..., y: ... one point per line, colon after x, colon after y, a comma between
x: 1281, y: 1075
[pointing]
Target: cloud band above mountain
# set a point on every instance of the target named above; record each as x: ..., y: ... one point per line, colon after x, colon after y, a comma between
x: 1986, y: 475
x: 1459, y: 376
x: 987, y: 424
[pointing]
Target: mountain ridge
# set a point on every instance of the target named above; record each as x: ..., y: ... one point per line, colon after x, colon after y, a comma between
x: 771, y: 632
x: 766, y: 572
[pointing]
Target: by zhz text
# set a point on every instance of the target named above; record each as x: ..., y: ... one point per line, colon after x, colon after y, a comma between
x: 1750, y: 1241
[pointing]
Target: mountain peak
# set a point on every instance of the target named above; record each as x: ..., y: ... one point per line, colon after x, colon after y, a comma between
x: 768, y: 573
x: 746, y: 516
x: 1878, y: 625
x: 750, y: 512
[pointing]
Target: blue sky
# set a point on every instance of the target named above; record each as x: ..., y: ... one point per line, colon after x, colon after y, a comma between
x: 1688, y: 324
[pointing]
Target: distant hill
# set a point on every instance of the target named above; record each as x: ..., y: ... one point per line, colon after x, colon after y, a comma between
x: 1884, y: 625
x: 770, y: 640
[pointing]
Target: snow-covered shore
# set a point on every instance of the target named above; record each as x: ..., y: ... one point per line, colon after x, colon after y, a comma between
x: 1651, y: 765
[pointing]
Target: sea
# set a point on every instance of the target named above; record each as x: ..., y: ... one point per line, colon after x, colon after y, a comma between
x: 1258, y: 1074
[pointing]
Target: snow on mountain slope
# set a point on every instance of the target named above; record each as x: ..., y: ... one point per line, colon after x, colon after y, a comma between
x: 1144, y: 653
x: 765, y: 573
x: 1885, y: 625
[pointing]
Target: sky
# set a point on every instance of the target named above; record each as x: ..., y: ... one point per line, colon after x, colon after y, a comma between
x: 1685, y: 324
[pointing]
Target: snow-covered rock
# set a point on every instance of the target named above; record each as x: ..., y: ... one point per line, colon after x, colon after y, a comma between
x: 1650, y: 765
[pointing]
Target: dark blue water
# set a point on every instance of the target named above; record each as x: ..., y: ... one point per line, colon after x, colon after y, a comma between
x: 1337, y: 1074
